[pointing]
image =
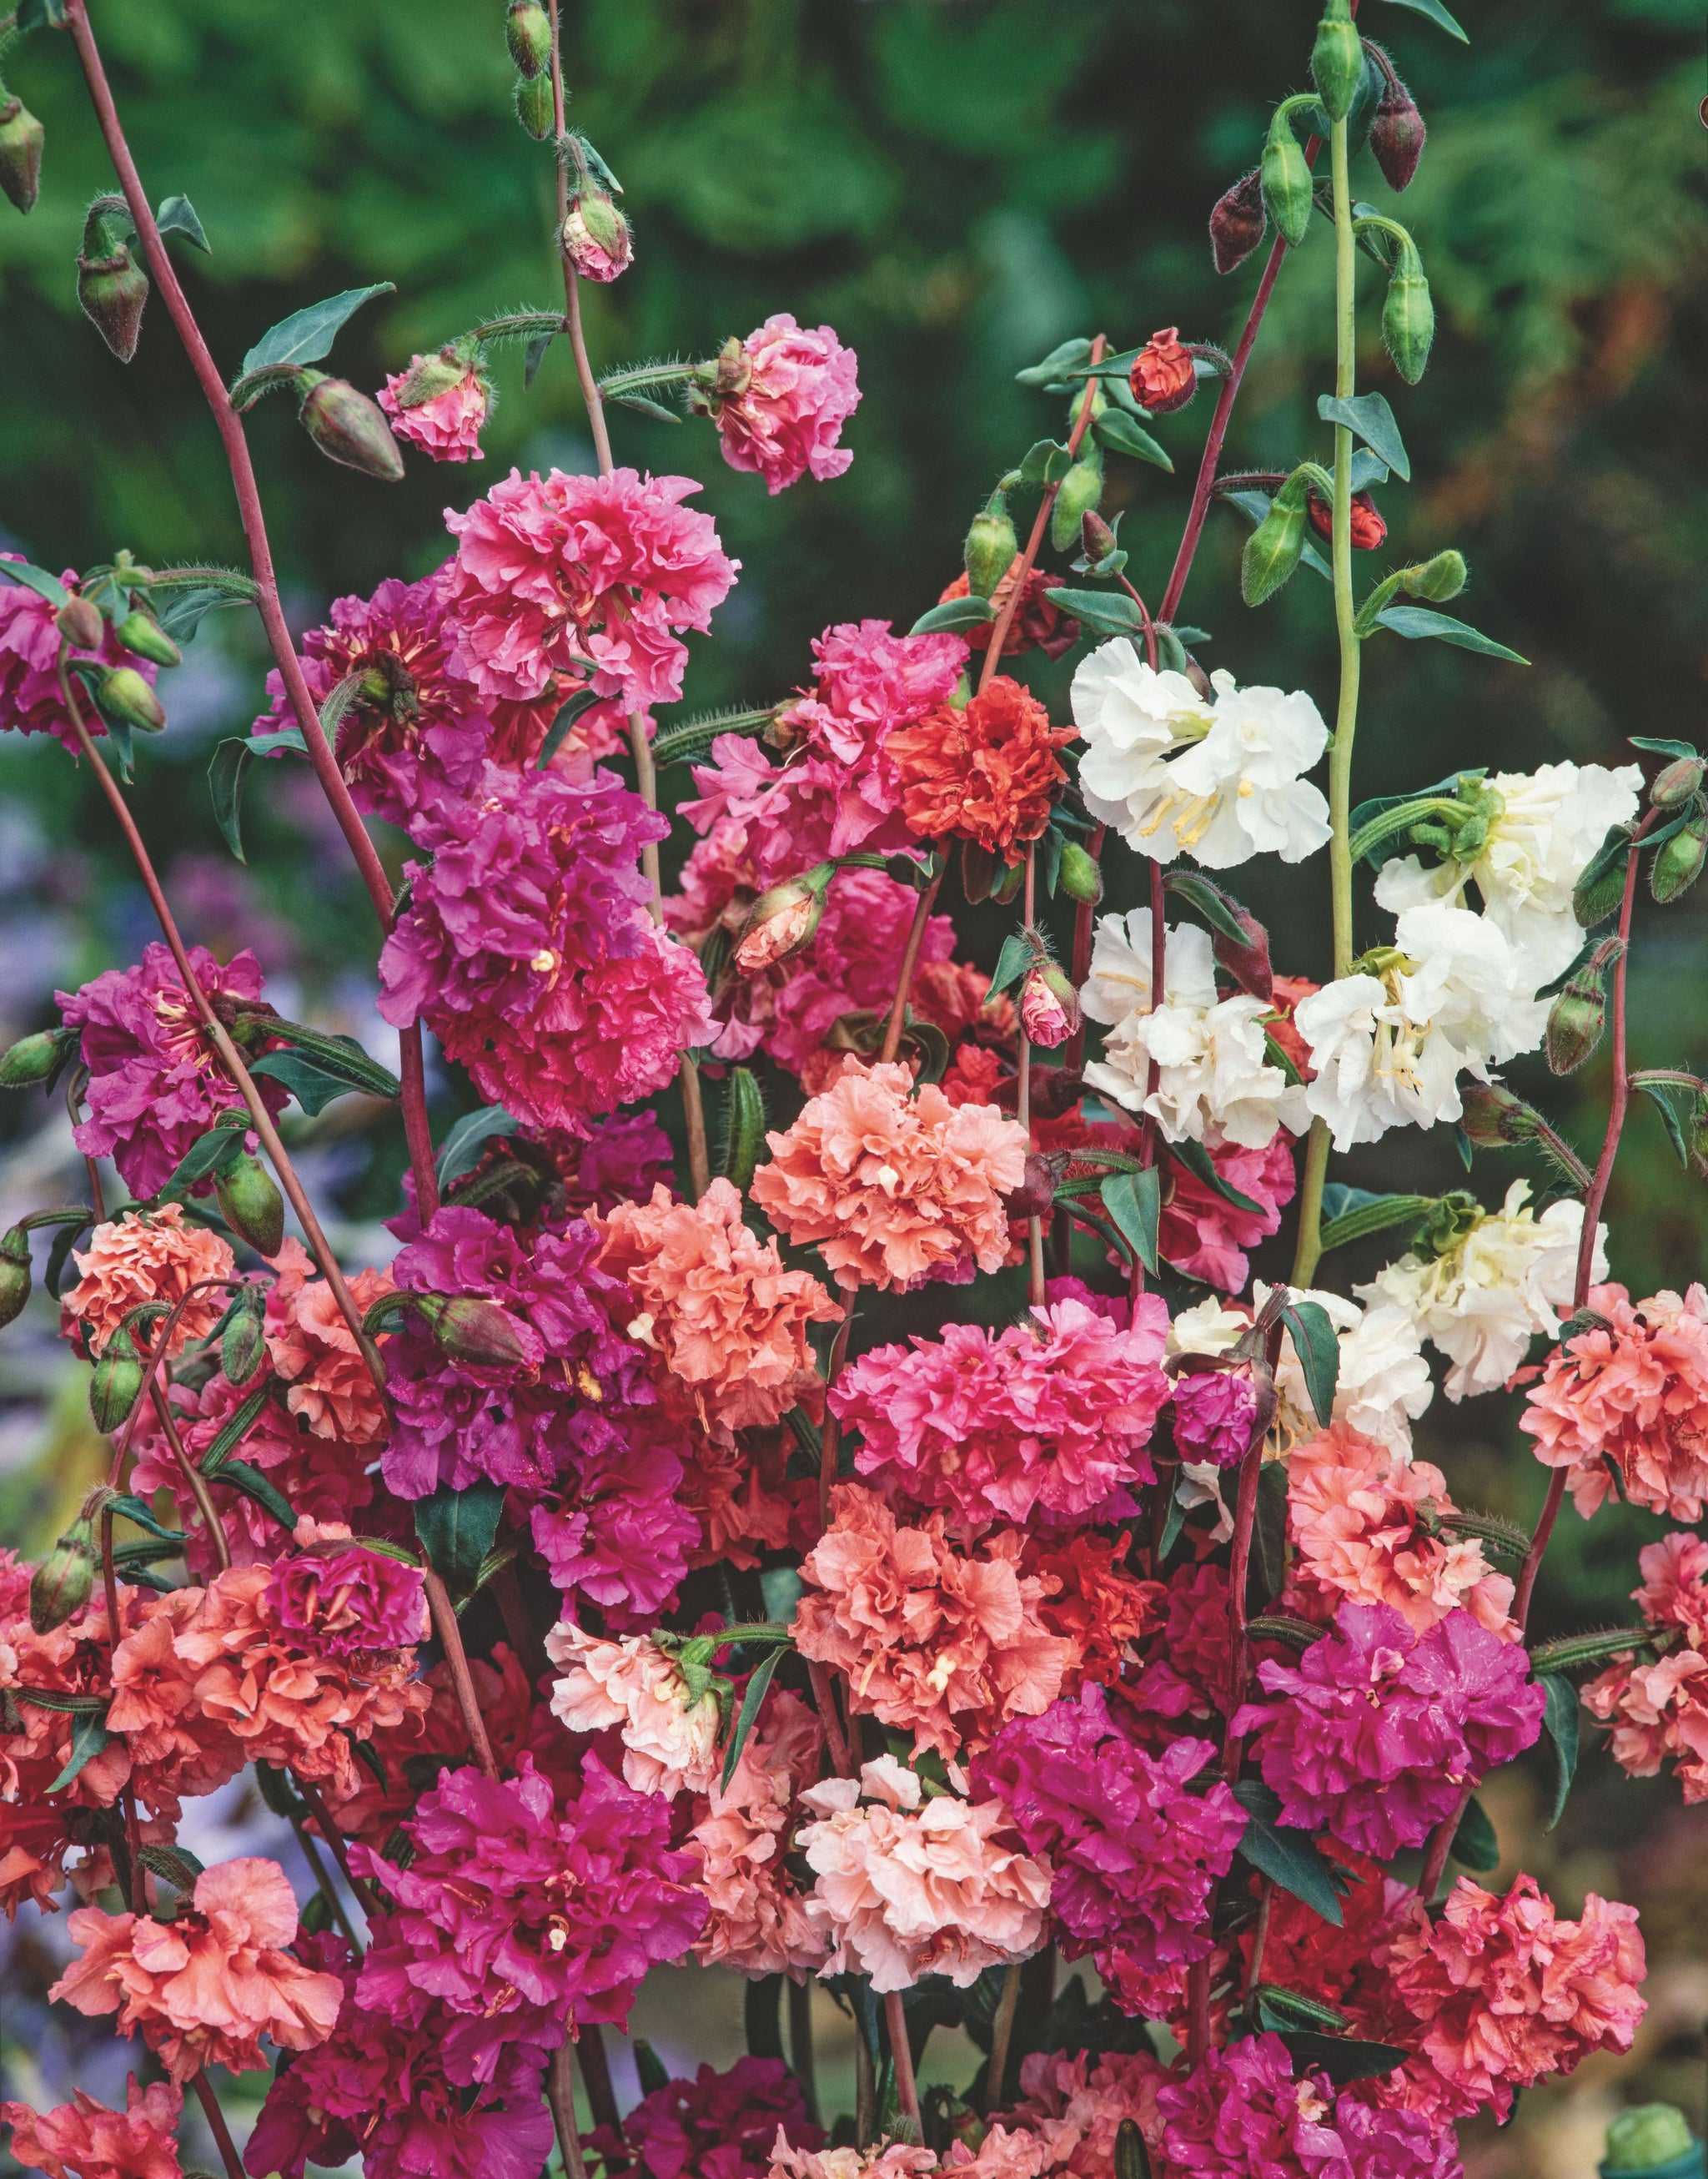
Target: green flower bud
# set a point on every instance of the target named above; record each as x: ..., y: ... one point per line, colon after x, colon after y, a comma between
x: 1407, y: 316
x: 535, y: 108
x: 597, y: 240
x: 1644, y: 2136
x: 1130, y: 2159
x: 1079, y: 876
x: 1601, y: 888
x: 80, y: 624
x: 21, y: 139
x: 1678, y: 861
x: 116, y: 1384
x: 1493, y: 1119
x: 65, y: 1579
x: 1437, y: 579
x: 124, y: 695
x: 1576, y: 1022
x: 528, y: 33
x: 1673, y: 787
x: 142, y: 633
x: 479, y: 1334
x: 347, y: 427
x: 1286, y: 181
x: 14, y: 1273
x: 33, y: 1058
x: 1337, y: 60
x: 243, y: 1343
x: 251, y: 1204
x: 1272, y: 550
x: 112, y: 291
x: 991, y: 546
x: 1082, y: 488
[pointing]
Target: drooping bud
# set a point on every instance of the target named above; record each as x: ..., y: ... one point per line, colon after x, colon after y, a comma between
x: 528, y: 33
x: 114, y: 1388
x: 141, y: 633
x: 1238, y: 223
x: 1407, y: 316
x: 480, y: 1334
x: 1678, y: 861
x: 1272, y: 550
x: 124, y: 695
x: 781, y: 921
x: 991, y: 546
x: 64, y: 1581
x: 597, y: 240
x: 1578, y: 1016
x: 79, y: 621
x: 1398, y: 133
x: 1034, y: 1197
x: 14, y: 1272
x: 111, y: 291
x: 1368, y: 528
x: 1079, y: 876
x: 1437, y: 579
x: 250, y: 1203
x: 21, y: 140
x: 1601, y: 886
x: 347, y: 427
x: 1645, y: 2136
x: 1096, y: 540
x: 1286, y: 181
x: 32, y: 1059
x: 244, y: 1343
x: 534, y: 106
x: 1049, y: 1006
x: 1163, y: 377
x: 1673, y: 787
x: 1493, y: 1119
x: 1337, y: 60
x: 1082, y: 488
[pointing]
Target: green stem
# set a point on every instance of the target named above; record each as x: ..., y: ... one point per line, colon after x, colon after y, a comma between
x: 518, y: 326
x: 616, y: 383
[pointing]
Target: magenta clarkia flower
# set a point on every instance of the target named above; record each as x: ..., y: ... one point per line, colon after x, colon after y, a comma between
x: 353, y: 1600
x: 718, y: 2125
x: 30, y: 700
x: 1214, y: 1411
x: 788, y: 418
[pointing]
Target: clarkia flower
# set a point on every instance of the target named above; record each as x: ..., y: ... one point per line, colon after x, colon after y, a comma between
x: 149, y: 1255
x: 438, y: 404
x: 670, y: 1734
x: 718, y: 2125
x: 30, y: 699
x: 786, y: 418
x: 83, y: 2139
x: 348, y: 1601
x: 987, y: 772
x: 756, y: 1915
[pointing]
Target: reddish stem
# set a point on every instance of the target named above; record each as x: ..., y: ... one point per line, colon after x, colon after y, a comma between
x: 824, y: 1695
x: 216, y: 2125
x: 901, y: 2054
x: 461, y: 1679
x: 316, y: 1806
x: 832, y: 1432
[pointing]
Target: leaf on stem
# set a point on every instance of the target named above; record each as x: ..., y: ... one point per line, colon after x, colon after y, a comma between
x: 178, y: 215
x: 307, y: 335
x: 1117, y: 430
x: 558, y: 732
x: 456, y: 1529
x: 1561, y: 1718
x: 1415, y: 621
x: 1474, y: 1845
x: 462, y: 1150
x: 35, y: 579
x: 1134, y: 1201
x: 89, y: 1736
x: 1437, y: 14
x: 757, y: 1681
x: 952, y: 614
x: 1289, y: 1858
x: 225, y: 780
x: 1369, y: 416
x: 1102, y: 609
x: 1314, y: 1341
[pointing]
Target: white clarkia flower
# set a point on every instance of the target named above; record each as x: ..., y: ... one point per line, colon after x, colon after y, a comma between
x: 1176, y: 776
x: 1388, y: 1050
x: 1507, y: 1280
x: 1120, y: 980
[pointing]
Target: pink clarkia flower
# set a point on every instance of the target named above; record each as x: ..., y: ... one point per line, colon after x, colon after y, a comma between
x: 438, y: 404
x: 787, y: 417
x: 83, y: 2139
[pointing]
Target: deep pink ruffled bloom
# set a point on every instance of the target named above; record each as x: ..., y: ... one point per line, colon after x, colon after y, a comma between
x: 381, y: 2091
x: 1214, y: 1411
x: 615, y: 1528
x: 788, y: 418
x: 352, y: 1599
x: 31, y: 702
x: 155, y: 1083
x: 528, y: 948
x: 1377, y: 1730
x: 1050, y: 1418
x: 623, y: 1159
x: 521, y: 1921
x: 1134, y: 1852
x: 584, y: 575
x: 447, y: 423
x: 718, y: 2125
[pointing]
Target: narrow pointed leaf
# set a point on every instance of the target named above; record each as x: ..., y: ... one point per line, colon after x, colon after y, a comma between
x: 89, y: 1736
x: 1100, y: 609
x: 1437, y: 14
x: 1318, y: 1349
x: 178, y: 215
x: 225, y: 779
x: 1370, y: 416
x: 1286, y: 1857
x: 757, y: 1681
x: 1119, y: 432
x: 1134, y: 1201
x: 240, y: 1476
x: 306, y: 336
x: 1011, y: 964
x: 953, y: 614
x: 1561, y: 1718
x: 462, y: 1148
x: 1415, y: 621
x: 1474, y: 1845
x: 1198, y: 1162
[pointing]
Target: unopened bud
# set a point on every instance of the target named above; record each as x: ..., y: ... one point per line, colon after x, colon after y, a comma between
x: 1238, y: 223
x: 1368, y: 528
x: 14, y: 1272
x: 251, y: 1204
x: 80, y: 624
x: 1082, y: 488
x: 1272, y: 550
x: 1130, y: 2159
x: 534, y: 106
x: 1575, y: 1021
x: 65, y: 1579
x: 1163, y: 377
x: 1096, y: 539
x: 347, y: 427
x: 427, y: 377
x: 1049, y: 1006
x: 124, y: 695
x: 1678, y: 861
x: 1601, y: 887
x: 1437, y: 579
x: 243, y: 1343
x: 141, y: 633
x: 1034, y: 1197
x: 32, y: 1059
x: 1408, y: 316
x: 1397, y: 136
x: 528, y: 33
x: 21, y: 140
x: 1673, y: 787
x: 1493, y: 1119
x: 1337, y: 60
x: 991, y: 546
x: 597, y: 240
x: 1286, y: 182
x: 780, y: 923
x: 114, y: 1388
x: 112, y: 291
x: 479, y: 1334
x: 1079, y: 876
x: 1645, y: 2136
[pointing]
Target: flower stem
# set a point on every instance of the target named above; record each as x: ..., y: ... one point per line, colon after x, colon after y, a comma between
x: 194, y: 1478
x: 462, y: 1680
x: 1002, y: 2038
x: 901, y: 2056
x: 801, y: 2059
x: 560, y: 2094
x: 216, y: 2125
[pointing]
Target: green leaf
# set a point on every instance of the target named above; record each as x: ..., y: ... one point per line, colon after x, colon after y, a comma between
x: 1561, y: 1718
x: 1209, y: 901
x: 180, y: 608
x: 1342, y: 2057
x: 35, y: 579
x: 306, y: 336
x: 225, y: 779
x: 322, y: 1067
x: 1288, y: 1858
x: 1199, y: 1162
x: 1267, y: 1573
x: 252, y: 1484
x: 1117, y: 430
x: 1415, y: 621
x: 1370, y: 416
x: 1667, y: 1098
x: 132, y: 1508
x: 89, y: 1736
x: 1437, y: 14
x: 1474, y: 1845
x: 1661, y: 747
x: 557, y: 733
x: 1011, y: 964
x: 1112, y: 609
x: 41, y: 15
x: 1055, y: 363
x: 1367, y: 469
x: 1370, y: 1214
x: 177, y: 1864
x: 235, y: 1428
x: 953, y: 613
x: 64, y: 1241
x: 456, y: 1529
x: 63, y: 1706
x: 654, y: 2074
x: 757, y: 1681
x: 1315, y: 1343
x: 178, y: 215
x: 534, y: 354
x: 461, y: 1151
x: 208, y: 1153
x: 1047, y: 461
x: 1279, y: 2007
x: 647, y: 407
x: 1134, y: 1201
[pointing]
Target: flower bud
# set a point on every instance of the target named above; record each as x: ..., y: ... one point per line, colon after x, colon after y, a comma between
x: 14, y: 1272
x: 1082, y: 488
x: 1408, y: 316
x: 1396, y: 135
x: 1493, y: 1119
x: 347, y: 427
x: 991, y: 546
x: 480, y: 1334
x: 1337, y: 60
x: 1368, y: 528
x: 528, y: 33
x: 1163, y: 377
x: 1437, y: 579
x: 1238, y: 223
x: 1096, y: 540
x: 1286, y: 181
x: 124, y: 695
x: 1034, y: 1197
x: 243, y: 1343
x: 1601, y: 886
x: 1131, y: 2159
x: 32, y: 1059
x: 780, y: 923
x: 21, y: 139
x: 80, y: 624
x: 534, y: 107
x: 116, y: 1384
x: 65, y: 1579
x: 1678, y: 861
x: 1272, y: 550
x: 597, y: 240
x: 1644, y: 2136
x: 251, y: 1204
x: 1575, y: 1021
x: 141, y: 633
x: 1049, y: 1006
x: 1079, y: 876
x: 112, y: 291
x: 1672, y: 788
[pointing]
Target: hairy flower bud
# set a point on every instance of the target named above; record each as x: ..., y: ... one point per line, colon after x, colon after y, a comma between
x: 141, y: 633
x: 112, y: 291
x: 1368, y: 528
x: 243, y: 1343
x: 1672, y: 787
x: 1643, y: 2137
x: 21, y: 140
x: 1492, y: 1117
x: 1082, y: 488
x: 1130, y: 2161
x: 991, y: 546
x: 534, y: 107
x: 80, y: 624
x: 347, y: 427
x: 250, y: 1203
x: 1049, y: 1006
x: 1036, y: 1195
x: 1272, y: 550
x: 32, y: 1059
x: 116, y: 1384
x: 1678, y: 861
x: 65, y: 1579
x: 1163, y: 377
x: 1437, y: 579
x: 1396, y: 135
x: 1575, y: 1021
x: 479, y: 1333
x: 780, y: 922
x: 1337, y: 60
x: 1079, y: 876
x: 1286, y: 181
x: 597, y: 240
x: 1407, y: 316
x: 1238, y: 223
x: 528, y: 33
x: 124, y: 695
x: 14, y: 1272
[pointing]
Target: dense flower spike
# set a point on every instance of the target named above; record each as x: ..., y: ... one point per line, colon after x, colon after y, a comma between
x: 795, y: 390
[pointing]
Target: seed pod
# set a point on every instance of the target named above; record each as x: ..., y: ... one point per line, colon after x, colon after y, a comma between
x: 1035, y: 1194
x: 1437, y: 579
x: 744, y: 1130
x: 1397, y: 134
x: 243, y: 1343
x: 21, y: 140
x: 1079, y: 876
x: 1082, y: 488
x: 347, y: 427
x: 112, y: 291
x: 141, y: 633
x: 14, y: 1272
x: 1407, y: 316
x: 1337, y: 60
x: 991, y: 546
x: 114, y: 1388
x: 32, y: 1059
x: 124, y: 695
x: 1238, y: 223
x: 64, y: 1581
x: 1286, y: 181
x: 1672, y: 788
x: 80, y: 624
x: 479, y: 1334
x: 780, y: 923
x: 1493, y: 1119
x: 1049, y: 1006
x: 528, y: 33
x: 1575, y: 1021
x: 251, y: 1204
x: 1678, y: 861
x: 1272, y: 550
x: 535, y: 108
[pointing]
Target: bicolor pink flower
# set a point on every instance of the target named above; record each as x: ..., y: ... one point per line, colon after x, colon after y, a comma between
x: 756, y: 1916
x: 787, y: 417
x: 348, y: 1601
x: 718, y: 2125
x: 669, y: 1732
x: 1657, y: 1704
x: 30, y: 700
x: 83, y: 2139
x: 585, y: 575
x: 1072, y: 2104
x: 438, y: 404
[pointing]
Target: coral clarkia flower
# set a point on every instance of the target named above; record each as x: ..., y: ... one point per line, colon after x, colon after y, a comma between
x: 83, y: 2139
x: 989, y: 774
x: 149, y: 1255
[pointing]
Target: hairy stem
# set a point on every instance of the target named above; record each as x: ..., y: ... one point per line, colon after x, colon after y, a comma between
x: 901, y: 2054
